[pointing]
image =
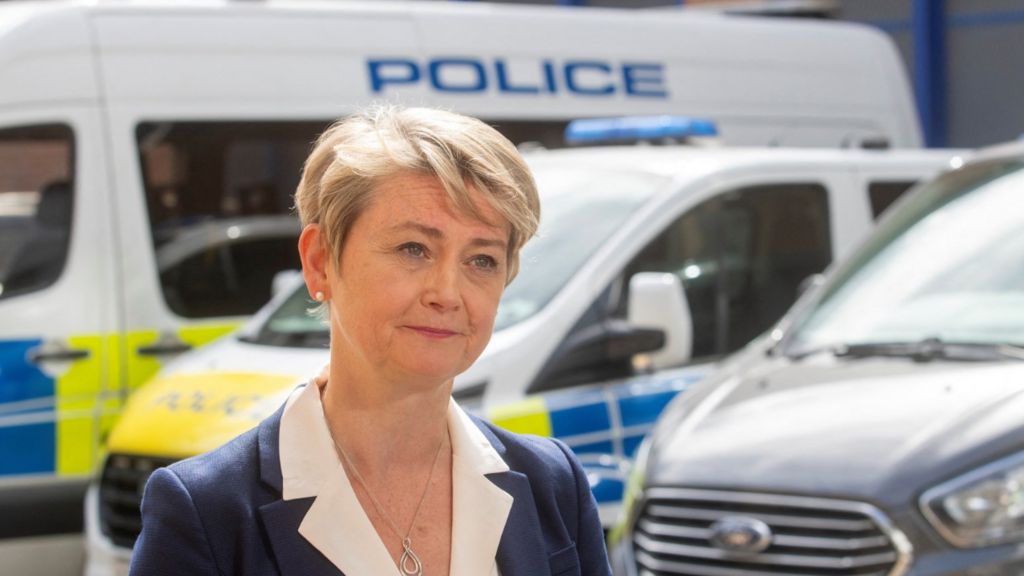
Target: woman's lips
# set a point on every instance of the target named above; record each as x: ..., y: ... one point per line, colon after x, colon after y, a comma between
x: 433, y: 332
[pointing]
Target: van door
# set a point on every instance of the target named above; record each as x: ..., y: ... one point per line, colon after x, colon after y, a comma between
x: 208, y: 224
x: 740, y: 248
x: 57, y: 318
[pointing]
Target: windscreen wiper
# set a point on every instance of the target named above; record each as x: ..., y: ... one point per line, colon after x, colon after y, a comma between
x: 925, y: 350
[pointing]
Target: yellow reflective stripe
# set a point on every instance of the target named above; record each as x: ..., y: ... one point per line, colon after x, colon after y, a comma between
x: 529, y: 416
x: 115, y: 370
x: 113, y: 395
x: 202, y: 334
x: 76, y: 393
x: 139, y: 368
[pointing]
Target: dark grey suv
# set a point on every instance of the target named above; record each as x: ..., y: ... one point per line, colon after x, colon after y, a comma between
x: 878, y: 430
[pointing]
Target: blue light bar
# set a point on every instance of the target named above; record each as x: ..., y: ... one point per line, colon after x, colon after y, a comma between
x: 637, y: 128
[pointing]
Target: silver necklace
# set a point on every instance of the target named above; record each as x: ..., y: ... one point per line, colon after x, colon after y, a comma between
x: 409, y: 564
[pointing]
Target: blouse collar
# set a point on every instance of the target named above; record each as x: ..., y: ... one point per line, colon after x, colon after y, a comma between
x: 336, y: 523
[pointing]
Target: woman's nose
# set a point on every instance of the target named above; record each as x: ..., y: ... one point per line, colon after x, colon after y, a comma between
x: 442, y: 287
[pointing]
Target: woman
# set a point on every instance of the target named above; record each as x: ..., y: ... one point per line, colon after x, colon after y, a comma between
x: 414, y: 219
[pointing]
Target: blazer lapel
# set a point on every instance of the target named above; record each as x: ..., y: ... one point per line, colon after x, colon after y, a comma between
x: 480, y: 508
x: 521, y: 551
x: 338, y: 528
x: 294, y: 555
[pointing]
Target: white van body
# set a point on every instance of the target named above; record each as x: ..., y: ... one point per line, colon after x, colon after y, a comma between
x: 129, y: 129
x: 795, y: 83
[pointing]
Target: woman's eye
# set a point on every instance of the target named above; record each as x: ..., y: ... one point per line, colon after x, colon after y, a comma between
x: 484, y: 261
x: 413, y: 249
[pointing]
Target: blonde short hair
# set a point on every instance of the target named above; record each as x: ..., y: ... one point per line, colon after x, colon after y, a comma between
x: 358, y: 152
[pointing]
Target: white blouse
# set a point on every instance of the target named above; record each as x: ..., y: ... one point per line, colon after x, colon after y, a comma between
x: 336, y: 523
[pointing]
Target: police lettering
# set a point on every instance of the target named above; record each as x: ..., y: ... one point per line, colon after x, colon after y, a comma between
x: 460, y: 75
x: 200, y: 402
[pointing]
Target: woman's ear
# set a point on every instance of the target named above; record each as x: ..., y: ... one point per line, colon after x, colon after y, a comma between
x: 315, y: 258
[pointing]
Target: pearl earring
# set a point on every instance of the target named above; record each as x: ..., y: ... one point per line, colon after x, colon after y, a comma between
x: 319, y: 296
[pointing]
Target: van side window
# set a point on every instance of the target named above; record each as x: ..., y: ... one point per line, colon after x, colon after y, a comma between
x: 883, y: 194
x: 741, y: 257
x: 219, y: 196
x: 36, y: 198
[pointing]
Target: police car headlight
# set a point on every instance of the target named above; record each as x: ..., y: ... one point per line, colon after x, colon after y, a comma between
x: 981, y: 508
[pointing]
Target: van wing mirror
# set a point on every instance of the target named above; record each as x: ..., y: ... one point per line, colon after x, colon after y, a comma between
x: 657, y: 301
x: 599, y: 352
x: 609, y: 342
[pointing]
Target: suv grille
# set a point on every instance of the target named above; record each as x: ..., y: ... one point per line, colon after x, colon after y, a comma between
x: 724, y: 533
x: 121, y: 485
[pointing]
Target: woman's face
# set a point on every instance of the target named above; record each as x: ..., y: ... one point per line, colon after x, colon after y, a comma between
x: 415, y: 292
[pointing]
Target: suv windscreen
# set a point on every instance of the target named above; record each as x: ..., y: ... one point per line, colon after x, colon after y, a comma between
x: 947, y: 268
x: 580, y: 210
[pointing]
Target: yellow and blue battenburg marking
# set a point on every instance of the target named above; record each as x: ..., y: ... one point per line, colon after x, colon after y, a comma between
x: 602, y: 424
x: 28, y: 433
x: 56, y: 425
x: 53, y: 425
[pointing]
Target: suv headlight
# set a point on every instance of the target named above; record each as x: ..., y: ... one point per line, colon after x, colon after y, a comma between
x: 632, y: 491
x: 981, y: 508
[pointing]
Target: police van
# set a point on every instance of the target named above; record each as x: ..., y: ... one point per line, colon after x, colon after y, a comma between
x: 647, y: 258
x: 148, y: 151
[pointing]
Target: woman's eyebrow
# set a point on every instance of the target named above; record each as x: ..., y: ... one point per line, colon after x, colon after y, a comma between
x: 429, y: 231
x: 438, y: 234
x: 488, y: 243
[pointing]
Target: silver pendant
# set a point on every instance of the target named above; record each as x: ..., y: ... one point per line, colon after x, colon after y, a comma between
x: 409, y: 563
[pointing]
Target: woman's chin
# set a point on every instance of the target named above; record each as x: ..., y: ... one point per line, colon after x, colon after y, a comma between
x: 436, y: 364
x: 431, y: 376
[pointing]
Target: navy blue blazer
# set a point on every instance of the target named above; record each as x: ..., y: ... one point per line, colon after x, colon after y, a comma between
x: 222, y: 513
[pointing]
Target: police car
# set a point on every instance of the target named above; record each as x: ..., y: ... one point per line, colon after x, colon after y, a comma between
x: 648, y: 257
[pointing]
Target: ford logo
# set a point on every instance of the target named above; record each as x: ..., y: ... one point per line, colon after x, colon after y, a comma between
x: 740, y: 535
